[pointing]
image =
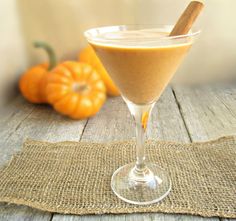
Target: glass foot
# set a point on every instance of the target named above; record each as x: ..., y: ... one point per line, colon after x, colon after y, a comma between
x: 141, y: 187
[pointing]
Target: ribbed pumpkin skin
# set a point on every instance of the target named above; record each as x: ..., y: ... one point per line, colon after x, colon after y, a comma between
x: 75, y: 89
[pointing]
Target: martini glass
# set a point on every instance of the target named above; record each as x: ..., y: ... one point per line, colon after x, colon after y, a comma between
x: 141, y: 60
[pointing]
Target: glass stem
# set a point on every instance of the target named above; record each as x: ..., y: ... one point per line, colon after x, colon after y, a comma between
x: 140, y: 114
x: 140, y: 128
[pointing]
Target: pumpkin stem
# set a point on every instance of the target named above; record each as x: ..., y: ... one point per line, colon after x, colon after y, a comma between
x: 50, y: 52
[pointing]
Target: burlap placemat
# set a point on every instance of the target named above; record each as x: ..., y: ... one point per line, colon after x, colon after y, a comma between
x: 73, y: 177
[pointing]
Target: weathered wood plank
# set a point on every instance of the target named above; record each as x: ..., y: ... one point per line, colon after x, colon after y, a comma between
x: 209, y: 112
x: 22, y: 213
x: 122, y: 217
x: 114, y: 122
x: 132, y: 217
x: 40, y: 122
x: 13, y: 115
x: 23, y: 120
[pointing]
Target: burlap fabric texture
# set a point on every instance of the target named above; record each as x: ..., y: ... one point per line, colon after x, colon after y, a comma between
x: 74, y: 177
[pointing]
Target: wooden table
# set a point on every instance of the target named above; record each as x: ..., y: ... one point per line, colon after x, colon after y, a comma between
x: 185, y: 114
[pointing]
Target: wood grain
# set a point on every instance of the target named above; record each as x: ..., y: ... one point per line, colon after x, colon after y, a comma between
x: 36, y: 122
x: 132, y: 217
x: 22, y: 213
x: 208, y: 112
x: 114, y: 122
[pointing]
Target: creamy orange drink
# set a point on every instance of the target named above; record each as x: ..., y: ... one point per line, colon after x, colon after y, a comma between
x: 141, y: 72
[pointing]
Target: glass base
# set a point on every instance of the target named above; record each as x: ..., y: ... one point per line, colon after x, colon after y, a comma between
x: 141, y: 187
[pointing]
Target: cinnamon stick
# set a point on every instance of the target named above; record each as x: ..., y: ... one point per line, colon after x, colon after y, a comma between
x: 187, y: 19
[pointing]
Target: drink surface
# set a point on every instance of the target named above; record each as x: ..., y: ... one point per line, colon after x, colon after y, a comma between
x: 141, y: 63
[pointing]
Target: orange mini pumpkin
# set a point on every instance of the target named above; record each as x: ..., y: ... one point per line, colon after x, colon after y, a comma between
x: 75, y: 89
x: 33, y: 82
x: 31, y: 85
x: 89, y: 56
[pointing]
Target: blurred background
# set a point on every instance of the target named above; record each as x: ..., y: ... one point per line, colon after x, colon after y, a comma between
x: 62, y: 23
